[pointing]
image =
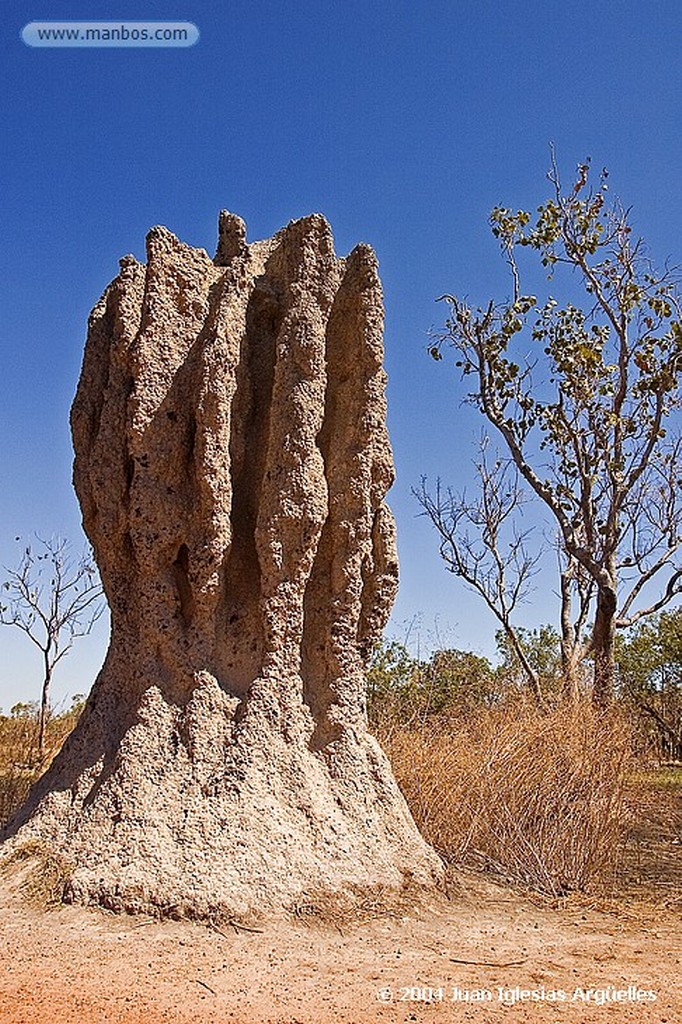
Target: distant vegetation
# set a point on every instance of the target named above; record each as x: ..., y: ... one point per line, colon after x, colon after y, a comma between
x: 549, y: 796
x: 648, y: 685
x: 21, y: 759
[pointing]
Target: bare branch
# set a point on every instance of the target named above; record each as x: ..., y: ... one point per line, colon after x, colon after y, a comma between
x: 52, y: 600
x: 673, y: 588
x: 480, y: 543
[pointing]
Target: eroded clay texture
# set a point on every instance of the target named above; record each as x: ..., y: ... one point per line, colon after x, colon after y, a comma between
x: 231, y: 463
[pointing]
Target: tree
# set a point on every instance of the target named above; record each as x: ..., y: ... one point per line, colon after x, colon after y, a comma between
x: 583, y: 400
x: 461, y: 681
x: 650, y: 675
x: 390, y: 679
x: 544, y: 650
x: 404, y: 689
x: 481, y: 543
x: 53, y: 599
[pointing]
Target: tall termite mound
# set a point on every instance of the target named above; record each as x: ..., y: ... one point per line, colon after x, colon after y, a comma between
x: 231, y: 464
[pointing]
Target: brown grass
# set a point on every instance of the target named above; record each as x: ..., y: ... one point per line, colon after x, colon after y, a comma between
x: 538, y: 798
x: 46, y: 875
x: 547, y: 800
x: 20, y: 763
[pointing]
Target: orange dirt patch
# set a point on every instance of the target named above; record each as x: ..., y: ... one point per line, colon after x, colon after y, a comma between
x: 78, y: 966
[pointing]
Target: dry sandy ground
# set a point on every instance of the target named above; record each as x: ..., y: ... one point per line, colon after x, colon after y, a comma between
x: 79, y: 966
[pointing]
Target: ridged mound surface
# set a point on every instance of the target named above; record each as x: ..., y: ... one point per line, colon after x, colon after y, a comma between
x: 231, y: 463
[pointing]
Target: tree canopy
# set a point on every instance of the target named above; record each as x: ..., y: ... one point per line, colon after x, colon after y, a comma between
x: 583, y: 398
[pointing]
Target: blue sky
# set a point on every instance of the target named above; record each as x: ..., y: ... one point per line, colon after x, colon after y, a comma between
x: 403, y: 123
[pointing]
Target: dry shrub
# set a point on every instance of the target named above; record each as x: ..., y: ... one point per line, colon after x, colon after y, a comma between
x: 538, y: 797
x: 47, y: 874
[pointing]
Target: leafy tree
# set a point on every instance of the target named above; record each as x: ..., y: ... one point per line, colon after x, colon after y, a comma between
x: 541, y: 648
x: 650, y: 675
x: 389, y: 676
x: 459, y: 681
x: 53, y: 599
x: 403, y: 688
x: 25, y: 710
x: 583, y: 401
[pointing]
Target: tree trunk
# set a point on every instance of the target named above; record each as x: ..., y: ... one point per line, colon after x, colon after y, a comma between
x: 569, y: 689
x: 530, y: 673
x: 231, y: 464
x: 603, y: 643
x: 44, y: 706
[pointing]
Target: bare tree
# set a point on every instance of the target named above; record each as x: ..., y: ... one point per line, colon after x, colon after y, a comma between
x: 480, y: 542
x: 53, y: 599
x: 584, y: 404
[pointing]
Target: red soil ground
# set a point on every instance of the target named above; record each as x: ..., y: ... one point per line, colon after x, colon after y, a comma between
x: 79, y: 966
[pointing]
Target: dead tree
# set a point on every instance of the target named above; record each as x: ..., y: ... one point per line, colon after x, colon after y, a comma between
x: 53, y: 598
x: 480, y: 542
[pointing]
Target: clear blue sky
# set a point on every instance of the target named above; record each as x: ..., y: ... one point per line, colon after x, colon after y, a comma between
x: 404, y: 123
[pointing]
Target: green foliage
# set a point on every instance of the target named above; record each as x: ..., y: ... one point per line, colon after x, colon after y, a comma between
x: 459, y: 681
x: 390, y: 674
x: 542, y: 648
x: 403, y: 688
x: 650, y: 673
x: 25, y: 709
x: 584, y: 397
x: 650, y: 657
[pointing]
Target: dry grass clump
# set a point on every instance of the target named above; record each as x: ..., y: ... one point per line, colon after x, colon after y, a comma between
x: 539, y: 798
x: 47, y: 874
